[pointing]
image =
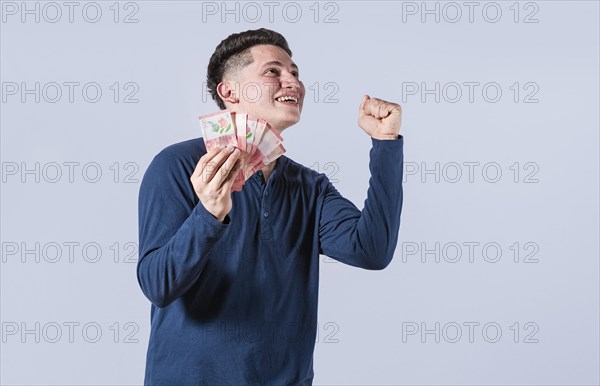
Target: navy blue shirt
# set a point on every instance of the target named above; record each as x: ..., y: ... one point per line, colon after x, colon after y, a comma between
x: 236, y: 302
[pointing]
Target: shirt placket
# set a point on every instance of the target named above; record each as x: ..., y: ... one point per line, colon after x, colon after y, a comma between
x: 266, y: 233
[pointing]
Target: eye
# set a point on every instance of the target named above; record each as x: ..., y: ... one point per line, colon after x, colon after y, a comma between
x: 272, y: 71
x: 296, y: 74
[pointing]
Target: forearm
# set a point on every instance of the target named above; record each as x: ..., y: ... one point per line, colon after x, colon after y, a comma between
x: 367, y: 238
x: 167, y: 271
x: 176, y: 233
x: 378, y: 226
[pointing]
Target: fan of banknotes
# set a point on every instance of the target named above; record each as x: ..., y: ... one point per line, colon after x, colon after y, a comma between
x: 258, y: 142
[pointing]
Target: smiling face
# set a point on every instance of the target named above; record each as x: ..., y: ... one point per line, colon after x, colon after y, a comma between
x: 267, y: 88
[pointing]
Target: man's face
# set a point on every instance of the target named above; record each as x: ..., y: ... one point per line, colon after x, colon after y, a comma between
x: 260, y: 86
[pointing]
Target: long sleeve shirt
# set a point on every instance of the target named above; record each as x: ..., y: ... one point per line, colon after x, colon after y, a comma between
x: 236, y: 302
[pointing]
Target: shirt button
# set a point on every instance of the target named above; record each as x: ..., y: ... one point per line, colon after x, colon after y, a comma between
x: 266, y: 192
x: 266, y: 214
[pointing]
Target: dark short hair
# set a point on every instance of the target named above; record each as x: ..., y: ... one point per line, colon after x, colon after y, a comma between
x: 233, y: 53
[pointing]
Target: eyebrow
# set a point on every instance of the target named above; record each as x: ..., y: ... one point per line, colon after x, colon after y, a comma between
x: 278, y: 63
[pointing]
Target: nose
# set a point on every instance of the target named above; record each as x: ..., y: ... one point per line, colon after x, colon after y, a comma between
x: 288, y: 80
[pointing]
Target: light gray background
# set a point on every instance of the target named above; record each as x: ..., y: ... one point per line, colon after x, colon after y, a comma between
x: 370, y: 49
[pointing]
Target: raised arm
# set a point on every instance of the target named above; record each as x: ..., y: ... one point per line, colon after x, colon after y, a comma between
x: 368, y: 238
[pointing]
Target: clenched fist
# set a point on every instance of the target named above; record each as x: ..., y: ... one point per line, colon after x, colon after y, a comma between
x: 378, y: 118
x: 213, y: 177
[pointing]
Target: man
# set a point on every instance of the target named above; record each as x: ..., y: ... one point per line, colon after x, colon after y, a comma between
x: 233, y: 277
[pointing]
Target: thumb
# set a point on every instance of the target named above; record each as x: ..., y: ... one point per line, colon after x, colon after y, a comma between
x: 361, y: 109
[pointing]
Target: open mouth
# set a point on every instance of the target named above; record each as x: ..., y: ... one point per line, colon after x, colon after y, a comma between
x: 290, y: 100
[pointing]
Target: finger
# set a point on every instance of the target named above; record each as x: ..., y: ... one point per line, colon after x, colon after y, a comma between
x: 372, y: 107
x: 231, y: 177
x: 382, y: 110
x: 225, y: 170
x: 204, y: 159
x: 211, y: 167
x: 361, y: 108
x: 379, y: 108
x: 396, y: 109
x: 387, y: 108
x: 229, y: 181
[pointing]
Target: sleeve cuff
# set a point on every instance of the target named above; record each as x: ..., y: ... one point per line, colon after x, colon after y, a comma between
x: 208, y: 217
x: 388, y: 142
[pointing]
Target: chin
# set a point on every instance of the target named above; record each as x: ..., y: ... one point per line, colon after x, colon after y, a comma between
x: 285, y: 122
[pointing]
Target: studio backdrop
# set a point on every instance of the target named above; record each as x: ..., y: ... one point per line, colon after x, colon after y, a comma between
x: 495, y: 275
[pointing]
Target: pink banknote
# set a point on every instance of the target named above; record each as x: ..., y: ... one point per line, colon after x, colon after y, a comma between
x: 269, y: 142
x: 218, y: 129
x: 251, y: 140
x: 259, y: 143
x: 240, y: 128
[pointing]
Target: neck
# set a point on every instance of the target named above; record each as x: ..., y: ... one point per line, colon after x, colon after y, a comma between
x: 268, y: 169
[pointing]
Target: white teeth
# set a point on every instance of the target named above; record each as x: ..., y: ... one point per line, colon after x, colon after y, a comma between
x: 286, y: 99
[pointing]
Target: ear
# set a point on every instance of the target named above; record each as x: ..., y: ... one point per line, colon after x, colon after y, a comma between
x: 227, y: 92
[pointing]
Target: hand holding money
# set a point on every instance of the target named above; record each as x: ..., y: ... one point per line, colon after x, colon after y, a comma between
x: 254, y: 138
x: 213, y: 177
x: 380, y: 119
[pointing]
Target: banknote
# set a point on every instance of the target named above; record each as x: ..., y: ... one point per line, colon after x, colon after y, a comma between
x: 258, y: 142
x: 218, y: 129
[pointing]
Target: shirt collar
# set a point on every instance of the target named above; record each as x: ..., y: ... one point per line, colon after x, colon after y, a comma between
x: 277, y: 170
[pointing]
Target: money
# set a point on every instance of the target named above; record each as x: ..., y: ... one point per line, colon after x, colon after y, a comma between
x: 270, y: 141
x: 258, y: 142
x: 240, y: 121
x: 218, y: 129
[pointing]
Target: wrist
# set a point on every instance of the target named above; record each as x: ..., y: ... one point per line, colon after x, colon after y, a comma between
x: 385, y: 137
